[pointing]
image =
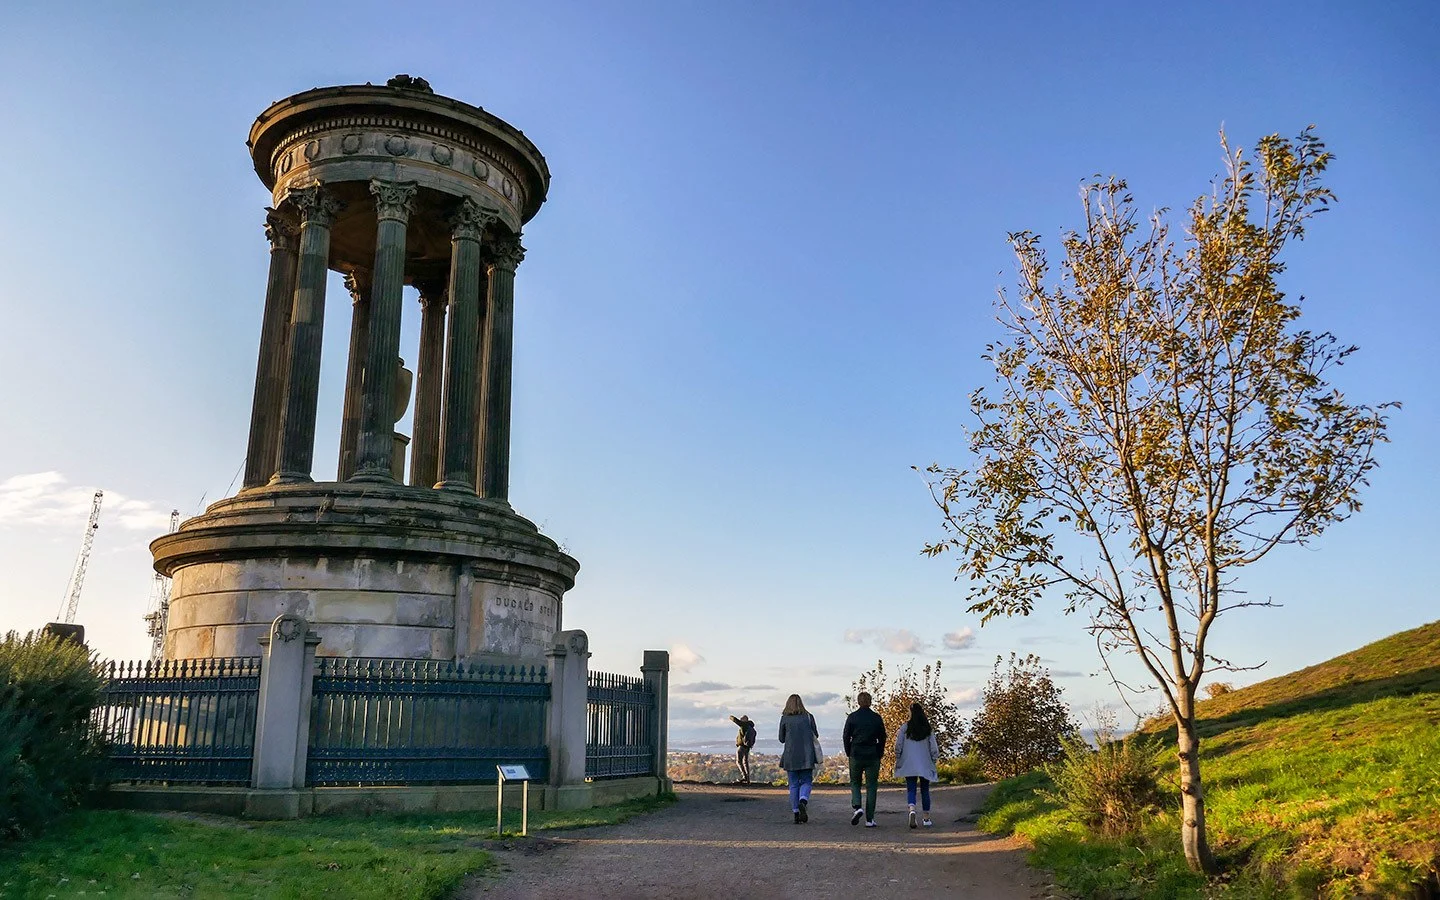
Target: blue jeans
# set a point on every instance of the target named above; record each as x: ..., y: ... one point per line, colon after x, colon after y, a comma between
x: 924, y: 790
x: 799, y: 786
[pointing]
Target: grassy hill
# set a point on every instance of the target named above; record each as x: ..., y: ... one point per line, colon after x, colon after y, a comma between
x: 1321, y: 783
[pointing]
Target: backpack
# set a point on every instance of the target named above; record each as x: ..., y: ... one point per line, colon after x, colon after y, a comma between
x: 750, y: 735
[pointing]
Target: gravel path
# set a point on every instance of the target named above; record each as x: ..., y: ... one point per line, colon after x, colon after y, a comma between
x: 722, y: 841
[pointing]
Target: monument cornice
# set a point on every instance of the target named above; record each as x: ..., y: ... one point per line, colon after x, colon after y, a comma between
x: 331, y: 518
x: 479, y: 130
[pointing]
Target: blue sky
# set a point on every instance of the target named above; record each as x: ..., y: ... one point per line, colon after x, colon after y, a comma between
x: 757, y: 296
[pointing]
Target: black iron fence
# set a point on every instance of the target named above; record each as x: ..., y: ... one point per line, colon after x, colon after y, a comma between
x: 385, y: 721
x: 182, y: 721
x: 620, y: 727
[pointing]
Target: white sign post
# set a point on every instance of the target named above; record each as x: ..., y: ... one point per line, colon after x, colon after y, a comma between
x: 512, y: 773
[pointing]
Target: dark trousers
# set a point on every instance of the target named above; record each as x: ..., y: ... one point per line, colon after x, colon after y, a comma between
x: 924, y: 783
x: 742, y: 759
x: 870, y: 770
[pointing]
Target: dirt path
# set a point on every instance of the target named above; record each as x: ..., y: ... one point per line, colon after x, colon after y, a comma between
x: 732, y: 841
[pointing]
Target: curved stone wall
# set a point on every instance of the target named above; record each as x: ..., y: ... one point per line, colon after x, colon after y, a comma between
x: 377, y: 572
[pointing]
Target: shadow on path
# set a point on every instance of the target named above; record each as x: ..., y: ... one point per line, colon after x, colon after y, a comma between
x: 726, y: 841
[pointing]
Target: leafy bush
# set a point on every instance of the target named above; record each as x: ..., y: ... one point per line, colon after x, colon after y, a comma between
x: 1218, y: 688
x: 892, y: 701
x: 47, y: 754
x: 1023, y: 719
x: 962, y: 769
x: 1112, y: 787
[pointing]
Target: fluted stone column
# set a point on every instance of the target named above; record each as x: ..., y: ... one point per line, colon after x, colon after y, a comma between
x: 482, y: 315
x: 358, y: 284
x: 393, y: 201
x: 429, y: 385
x: 505, y: 255
x: 458, y: 451
x: 307, y: 322
x: 283, y: 234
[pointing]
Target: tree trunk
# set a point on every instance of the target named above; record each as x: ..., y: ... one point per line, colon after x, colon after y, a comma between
x: 1192, y: 802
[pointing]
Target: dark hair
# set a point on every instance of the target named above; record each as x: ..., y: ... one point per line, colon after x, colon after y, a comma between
x: 918, y: 728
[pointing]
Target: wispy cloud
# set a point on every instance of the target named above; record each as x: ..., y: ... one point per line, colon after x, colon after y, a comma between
x: 683, y: 659
x: 823, y: 698
x: 895, y: 640
x: 959, y: 640
x: 48, y: 500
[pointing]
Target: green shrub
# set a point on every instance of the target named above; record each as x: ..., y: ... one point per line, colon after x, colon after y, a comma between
x: 963, y: 769
x: 47, y: 754
x: 1022, y: 720
x: 1110, y: 788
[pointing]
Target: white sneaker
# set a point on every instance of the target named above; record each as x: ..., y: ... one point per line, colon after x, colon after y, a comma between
x: 912, y: 819
x: 927, y: 823
x: 857, y: 816
x: 869, y: 823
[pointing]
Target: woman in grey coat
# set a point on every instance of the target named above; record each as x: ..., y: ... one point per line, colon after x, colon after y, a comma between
x: 916, y: 752
x: 798, y: 733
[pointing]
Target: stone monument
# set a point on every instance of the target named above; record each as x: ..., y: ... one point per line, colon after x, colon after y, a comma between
x: 391, y: 185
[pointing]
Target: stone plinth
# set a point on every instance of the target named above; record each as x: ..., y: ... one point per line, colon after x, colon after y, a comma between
x: 377, y: 571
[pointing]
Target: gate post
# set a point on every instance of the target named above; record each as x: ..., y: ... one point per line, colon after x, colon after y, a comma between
x: 569, y: 663
x: 656, y: 671
x: 282, y: 721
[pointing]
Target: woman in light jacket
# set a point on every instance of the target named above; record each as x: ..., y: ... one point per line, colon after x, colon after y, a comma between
x: 916, y: 753
x: 798, y: 733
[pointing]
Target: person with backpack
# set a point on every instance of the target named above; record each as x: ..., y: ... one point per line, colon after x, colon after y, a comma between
x: 864, y: 739
x: 743, y: 742
x: 916, y: 753
x: 801, y: 737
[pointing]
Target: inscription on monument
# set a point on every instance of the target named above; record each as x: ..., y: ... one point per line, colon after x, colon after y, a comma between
x: 519, y: 621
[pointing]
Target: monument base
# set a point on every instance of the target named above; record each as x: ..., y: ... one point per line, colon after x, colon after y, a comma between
x: 378, y: 570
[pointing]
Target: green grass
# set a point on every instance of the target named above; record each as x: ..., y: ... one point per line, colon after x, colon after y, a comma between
x: 96, y: 853
x: 1322, y: 783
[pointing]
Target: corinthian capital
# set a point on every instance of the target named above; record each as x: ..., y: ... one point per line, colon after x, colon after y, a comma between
x: 505, y: 252
x: 316, y: 205
x: 393, y: 199
x: 358, y: 284
x: 280, y: 229
x: 432, y: 292
x: 469, y: 221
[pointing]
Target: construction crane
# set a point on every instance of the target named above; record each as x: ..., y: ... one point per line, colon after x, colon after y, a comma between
x: 159, y: 612
x: 77, y: 577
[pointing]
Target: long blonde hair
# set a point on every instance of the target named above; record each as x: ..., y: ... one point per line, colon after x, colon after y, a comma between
x: 794, y: 706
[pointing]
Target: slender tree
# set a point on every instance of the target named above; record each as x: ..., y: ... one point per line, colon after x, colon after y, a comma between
x: 1160, y: 400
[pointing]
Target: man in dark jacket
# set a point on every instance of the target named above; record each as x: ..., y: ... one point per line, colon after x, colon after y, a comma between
x: 864, y: 739
x: 743, y: 742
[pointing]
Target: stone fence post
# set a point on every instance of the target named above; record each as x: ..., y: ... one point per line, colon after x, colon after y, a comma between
x: 569, y: 664
x: 282, y: 721
x: 655, y: 669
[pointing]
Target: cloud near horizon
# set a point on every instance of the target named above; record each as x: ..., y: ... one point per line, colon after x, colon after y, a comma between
x: 965, y: 696
x: 49, y: 500
x: 699, y: 687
